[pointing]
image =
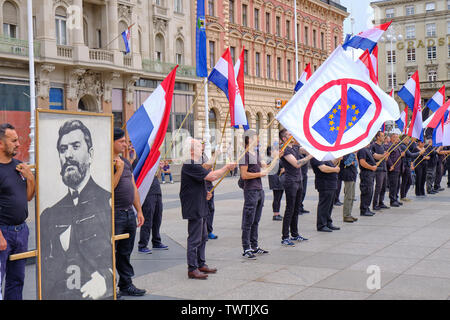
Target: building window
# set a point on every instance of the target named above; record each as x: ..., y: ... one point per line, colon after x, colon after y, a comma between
x: 431, y: 53
x: 10, y: 20
x: 314, y: 38
x: 449, y: 52
x: 390, y: 13
x: 289, y: 71
x: 430, y: 6
x: 267, y: 22
x: 278, y: 68
x: 231, y: 10
x: 244, y: 15
x: 60, y: 23
x: 431, y: 30
x: 409, y: 10
x: 288, y: 30
x: 278, y: 26
x: 391, y: 57
x: 212, y: 54
x: 245, y: 61
x: 179, y: 55
x: 335, y: 42
x: 448, y: 27
x: 257, y: 65
x: 432, y: 75
x: 410, y: 32
x: 233, y: 54
x: 322, y: 41
x: 409, y: 75
x: 411, y: 54
x: 306, y: 36
x: 256, y: 18
x: 159, y: 47
x: 392, y: 80
x: 211, y: 7
x: 268, y: 67
x: 178, y: 6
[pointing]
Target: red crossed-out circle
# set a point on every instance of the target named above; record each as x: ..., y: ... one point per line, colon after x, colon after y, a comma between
x: 343, y: 83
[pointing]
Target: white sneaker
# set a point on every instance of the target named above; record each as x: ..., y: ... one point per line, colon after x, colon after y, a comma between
x: 171, y: 182
x: 163, y: 182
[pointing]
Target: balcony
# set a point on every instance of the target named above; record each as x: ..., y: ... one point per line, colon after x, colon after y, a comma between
x: 165, y: 68
x: 127, y: 61
x: 98, y: 55
x: 64, y: 52
x: 17, y: 47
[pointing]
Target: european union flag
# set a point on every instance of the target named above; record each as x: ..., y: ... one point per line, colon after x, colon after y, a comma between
x: 200, y: 52
x: 328, y: 125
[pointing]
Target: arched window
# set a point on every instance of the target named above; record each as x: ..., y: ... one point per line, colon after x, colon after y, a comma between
x: 432, y: 75
x: 60, y: 24
x: 159, y: 47
x: 179, y: 52
x: 212, y: 121
x: 122, y: 27
x: 140, y: 42
x: 10, y: 20
x: 85, y: 33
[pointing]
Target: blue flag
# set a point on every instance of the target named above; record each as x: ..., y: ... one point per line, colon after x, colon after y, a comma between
x: 200, y: 52
x: 328, y: 125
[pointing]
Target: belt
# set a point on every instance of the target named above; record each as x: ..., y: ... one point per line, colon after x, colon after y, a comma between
x: 14, y: 228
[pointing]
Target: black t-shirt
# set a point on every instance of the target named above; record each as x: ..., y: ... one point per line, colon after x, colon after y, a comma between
x: 209, y: 184
x: 366, y: 154
x: 124, y: 191
x: 292, y: 173
x: 193, y: 191
x: 253, y: 164
x: 324, y: 181
x: 433, y: 158
x: 13, y: 195
x: 379, y: 149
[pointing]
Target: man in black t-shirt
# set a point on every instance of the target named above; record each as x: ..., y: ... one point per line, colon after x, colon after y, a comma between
x: 17, y: 186
x: 378, y: 153
x: 367, y: 166
x: 326, y: 183
x: 194, y: 206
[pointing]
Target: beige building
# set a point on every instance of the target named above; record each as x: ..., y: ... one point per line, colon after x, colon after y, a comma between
x: 422, y: 42
x: 80, y: 63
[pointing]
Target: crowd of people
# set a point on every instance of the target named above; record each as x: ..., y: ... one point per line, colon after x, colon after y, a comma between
x: 389, y: 164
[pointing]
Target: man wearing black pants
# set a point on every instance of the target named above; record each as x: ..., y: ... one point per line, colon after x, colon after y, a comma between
x: 304, y: 186
x: 394, y: 166
x: 292, y: 162
x: 410, y: 154
x: 326, y: 182
x: 379, y: 152
x: 420, y: 169
x: 367, y: 166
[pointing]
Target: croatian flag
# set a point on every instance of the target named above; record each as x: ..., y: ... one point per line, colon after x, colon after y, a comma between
x: 367, y: 60
x: 437, y: 100
x: 440, y: 123
x: 223, y: 76
x: 374, y: 59
x: 410, y: 94
x: 126, y: 38
x: 403, y: 121
x: 367, y: 39
x: 147, y: 129
x: 303, y: 78
x: 239, y: 73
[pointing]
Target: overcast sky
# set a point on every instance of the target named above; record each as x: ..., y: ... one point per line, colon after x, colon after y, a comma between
x: 361, y: 11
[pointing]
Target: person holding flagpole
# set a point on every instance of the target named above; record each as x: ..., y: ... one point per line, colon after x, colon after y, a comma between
x: 407, y: 147
x: 367, y: 166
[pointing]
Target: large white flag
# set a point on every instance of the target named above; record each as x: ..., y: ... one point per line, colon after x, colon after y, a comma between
x: 316, y: 119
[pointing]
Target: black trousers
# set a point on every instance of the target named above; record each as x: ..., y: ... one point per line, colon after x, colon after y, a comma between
x: 276, y: 204
x: 196, y: 243
x: 304, y: 186
x: 439, y: 174
x: 406, y: 181
x: 210, y: 217
x: 152, y: 209
x: 324, y: 208
x: 393, y: 185
x: 338, y: 190
x: 251, y: 214
x: 421, y: 174
x: 366, y: 187
x: 124, y: 222
x: 380, y: 188
x: 290, y: 220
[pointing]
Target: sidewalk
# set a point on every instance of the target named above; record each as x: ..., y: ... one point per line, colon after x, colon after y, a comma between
x: 410, y: 245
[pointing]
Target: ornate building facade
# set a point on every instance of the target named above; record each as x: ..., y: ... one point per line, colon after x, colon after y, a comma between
x: 265, y: 30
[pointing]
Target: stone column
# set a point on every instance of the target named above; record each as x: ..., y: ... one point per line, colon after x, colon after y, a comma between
x: 43, y: 85
x: 72, y: 88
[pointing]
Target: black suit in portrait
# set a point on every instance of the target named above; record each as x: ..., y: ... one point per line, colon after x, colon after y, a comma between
x: 76, y: 242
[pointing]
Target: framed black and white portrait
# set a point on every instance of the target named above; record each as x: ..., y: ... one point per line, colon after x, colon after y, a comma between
x: 73, y: 204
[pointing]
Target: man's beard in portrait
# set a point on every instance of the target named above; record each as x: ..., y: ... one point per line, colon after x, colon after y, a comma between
x: 73, y: 177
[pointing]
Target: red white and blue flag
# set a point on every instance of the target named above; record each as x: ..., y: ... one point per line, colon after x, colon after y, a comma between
x: 437, y: 100
x: 223, y: 76
x: 374, y: 59
x: 440, y: 123
x: 410, y: 94
x: 239, y: 73
x: 367, y: 39
x: 402, y: 122
x: 147, y: 129
x: 126, y: 35
x: 303, y: 78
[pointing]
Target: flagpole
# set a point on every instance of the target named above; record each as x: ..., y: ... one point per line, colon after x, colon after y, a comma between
x: 424, y: 157
x: 296, y: 41
x: 207, y: 135
x: 106, y: 47
x: 31, y: 151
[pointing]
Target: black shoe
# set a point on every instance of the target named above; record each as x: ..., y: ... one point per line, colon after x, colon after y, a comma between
x: 304, y: 211
x: 431, y: 192
x: 395, y: 204
x: 376, y: 208
x: 383, y: 206
x: 400, y: 203
x: 371, y: 212
x: 338, y: 203
x: 366, y: 214
x: 325, y: 229
x: 277, y: 218
x: 132, y: 291
x: 333, y: 227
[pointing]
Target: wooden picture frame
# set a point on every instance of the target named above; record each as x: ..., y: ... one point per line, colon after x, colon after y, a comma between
x: 75, y: 239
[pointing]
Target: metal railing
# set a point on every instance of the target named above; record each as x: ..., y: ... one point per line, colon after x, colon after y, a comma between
x: 18, y: 47
x: 101, y: 55
x: 165, y: 68
x: 64, y: 51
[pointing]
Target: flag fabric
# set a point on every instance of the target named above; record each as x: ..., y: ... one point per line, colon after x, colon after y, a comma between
x: 367, y: 39
x: 147, y: 129
x: 349, y: 108
x: 402, y: 122
x: 303, y: 78
x: 239, y: 73
x: 446, y: 125
x: 437, y: 122
x: 437, y: 100
x: 200, y: 41
x: 126, y: 35
x: 367, y: 60
x: 374, y: 59
x: 410, y: 94
x: 223, y: 76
